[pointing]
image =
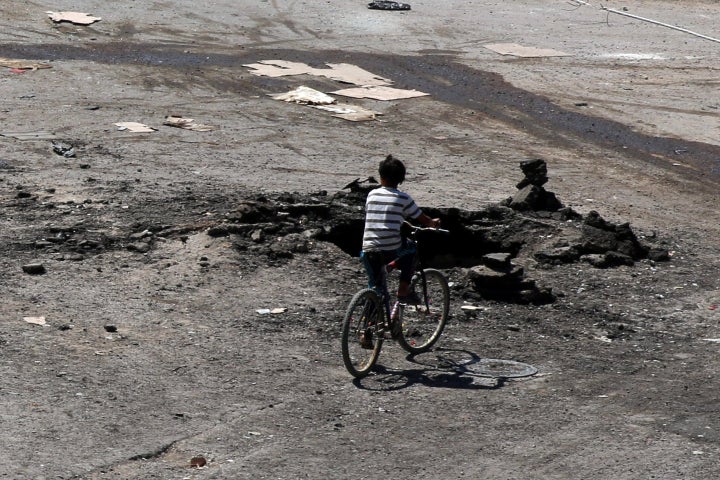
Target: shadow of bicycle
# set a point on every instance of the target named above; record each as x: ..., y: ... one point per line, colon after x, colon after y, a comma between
x: 447, y: 368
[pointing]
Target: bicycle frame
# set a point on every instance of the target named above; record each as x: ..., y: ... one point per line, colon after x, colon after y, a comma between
x: 372, y: 317
x: 419, y: 269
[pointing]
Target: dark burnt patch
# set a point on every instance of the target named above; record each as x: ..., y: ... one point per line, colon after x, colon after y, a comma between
x: 441, y: 76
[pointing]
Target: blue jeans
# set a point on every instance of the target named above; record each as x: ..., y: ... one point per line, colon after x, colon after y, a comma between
x: 374, y: 261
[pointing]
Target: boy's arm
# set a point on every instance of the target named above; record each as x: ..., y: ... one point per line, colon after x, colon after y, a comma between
x: 427, y: 221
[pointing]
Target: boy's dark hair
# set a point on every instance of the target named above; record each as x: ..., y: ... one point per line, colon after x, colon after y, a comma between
x: 392, y: 170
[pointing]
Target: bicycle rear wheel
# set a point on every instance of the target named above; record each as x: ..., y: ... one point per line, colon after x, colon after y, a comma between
x: 361, y: 334
x: 423, y: 324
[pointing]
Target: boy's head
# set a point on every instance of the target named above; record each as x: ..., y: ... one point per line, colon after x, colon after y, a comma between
x: 392, y: 171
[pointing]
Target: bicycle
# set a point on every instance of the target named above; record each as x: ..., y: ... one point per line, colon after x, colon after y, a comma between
x: 369, y: 319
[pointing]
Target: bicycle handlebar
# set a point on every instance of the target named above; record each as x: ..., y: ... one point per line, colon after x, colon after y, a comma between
x: 424, y: 229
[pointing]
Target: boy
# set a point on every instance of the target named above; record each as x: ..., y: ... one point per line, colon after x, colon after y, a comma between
x: 385, y: 210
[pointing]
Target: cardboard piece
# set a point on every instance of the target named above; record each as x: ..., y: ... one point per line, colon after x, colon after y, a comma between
x: 341, y: 72
x: 77, y: 18
x: 186, y: 124
x: 528, y: 52
x: 22, y: 64
x: 135, y: 127
x: 379, y: 93
x: 305, y: 96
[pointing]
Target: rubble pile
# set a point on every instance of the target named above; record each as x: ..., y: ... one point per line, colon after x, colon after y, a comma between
x: 492, y: 249
x: 485, y: 245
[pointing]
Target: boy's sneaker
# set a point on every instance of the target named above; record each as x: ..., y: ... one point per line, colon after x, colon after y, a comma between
x: 366, y: 340
x: 411, y: 298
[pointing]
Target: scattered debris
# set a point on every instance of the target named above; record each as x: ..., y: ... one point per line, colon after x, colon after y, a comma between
x: 135, y: 127
x: 521, y: 51
x: 655, y: 22
x: 341, y: 72
x: 305, y: 96
x: 271, y: 311
x: 110, y: 328
x: 198, y: 462
x: 35, y: 320
x: 34, y: 269
x: 472, y: 308
x: 77, y: 18
x: 357, y: 185
x: 186, y: 124
x: 63, y: 149
x: 22, y: 65
x: 379, y: 92
x: 388, y: 5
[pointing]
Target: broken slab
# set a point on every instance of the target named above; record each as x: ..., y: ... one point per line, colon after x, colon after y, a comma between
x: 522, y: 51
x: 77, y: 18
x: 379, y: 92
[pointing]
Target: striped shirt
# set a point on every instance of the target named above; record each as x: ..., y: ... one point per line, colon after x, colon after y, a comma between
x: 385, y: 210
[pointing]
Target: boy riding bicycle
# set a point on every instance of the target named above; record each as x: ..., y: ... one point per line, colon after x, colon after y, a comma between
x: 385, y: 210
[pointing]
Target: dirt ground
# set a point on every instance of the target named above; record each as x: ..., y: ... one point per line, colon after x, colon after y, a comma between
x: 158, y: 249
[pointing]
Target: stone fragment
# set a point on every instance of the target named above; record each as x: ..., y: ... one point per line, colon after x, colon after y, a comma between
x: 34, y: 268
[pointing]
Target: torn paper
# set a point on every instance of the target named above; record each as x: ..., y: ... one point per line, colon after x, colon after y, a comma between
x: 352, y: 113
x: 35, y: 320
x: 186, y: 124
x: 73, y: 17
x: 135, y: 127
x: 379, y: 93
x: 341, y: 72
x: 305, y: 96
x: 520, y: 51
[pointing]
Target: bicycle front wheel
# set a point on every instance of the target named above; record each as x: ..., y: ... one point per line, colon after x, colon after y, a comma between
x: 423, y: 324
x: 362, y: 333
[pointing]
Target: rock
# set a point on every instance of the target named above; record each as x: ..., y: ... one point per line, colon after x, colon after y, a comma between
x: 34, y: 268
x: 558, y: 255
x: 658, y: 255
x: 600, y: 236
x: 218, y: 231
x: 535, y: 173
x: 141, y: 235
x: 140, y: 247
x: 498, y: 261
x: 527, y: 198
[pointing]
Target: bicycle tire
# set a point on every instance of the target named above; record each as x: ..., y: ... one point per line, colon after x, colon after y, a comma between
x: 363, y: 318
x: 422, y: 325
